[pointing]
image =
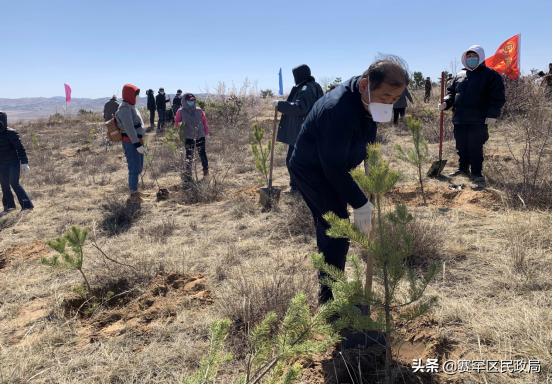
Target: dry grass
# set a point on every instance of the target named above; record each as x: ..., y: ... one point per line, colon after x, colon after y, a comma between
x: 494, y: 287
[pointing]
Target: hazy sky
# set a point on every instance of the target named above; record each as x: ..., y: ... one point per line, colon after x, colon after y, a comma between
x: 96, y: 46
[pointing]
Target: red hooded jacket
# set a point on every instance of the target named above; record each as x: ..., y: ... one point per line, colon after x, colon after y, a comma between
x: 129, y: 93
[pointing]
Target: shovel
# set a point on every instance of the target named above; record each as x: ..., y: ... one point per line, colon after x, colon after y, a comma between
x: 438, y: 166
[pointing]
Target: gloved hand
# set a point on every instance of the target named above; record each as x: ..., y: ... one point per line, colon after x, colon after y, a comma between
x: 141, y: 149
x: 442, y: 106
x: 25, y: 169
x: 490, y: 120
x: 362, y: 217
x: 275, y: 103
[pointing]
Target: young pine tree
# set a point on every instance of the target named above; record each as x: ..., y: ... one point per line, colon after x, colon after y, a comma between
x: 69, y: 248
x: 261, y: 152
x: 418, y: 155
x: 215, y: 356
x: 390, y: 246
x: 274, y: 347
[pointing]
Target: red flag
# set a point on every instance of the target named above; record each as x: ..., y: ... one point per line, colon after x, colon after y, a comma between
x: 506, y: 60
x: 67, y: 93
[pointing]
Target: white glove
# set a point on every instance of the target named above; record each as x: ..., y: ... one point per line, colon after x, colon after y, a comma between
x: 490, y: 120
x: 362, y: 217
x: 25, y: 169
x: 275, y: 103
x: 442, y: 106
x: 141, y: 150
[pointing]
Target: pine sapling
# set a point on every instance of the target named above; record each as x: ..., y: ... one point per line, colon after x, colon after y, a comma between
x: 390, y: 247
x: 274, y: 347
x: 418, y: 155
x: 69, y: 248
x: 261, y: 152
x: 215, y: 357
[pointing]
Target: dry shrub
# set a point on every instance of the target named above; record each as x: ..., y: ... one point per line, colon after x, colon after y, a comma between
x: 160, y: 231
x: 164, y: 159
x: 428, y: 239
x: 119, y: 216
x: 528, y: 248
x: 527, y: 178
x: 206, y: 190
x: 250, y: 292
x: 230, y: 259
x: 429, y: 115
x: 243, y: 206
x: 295, y: 217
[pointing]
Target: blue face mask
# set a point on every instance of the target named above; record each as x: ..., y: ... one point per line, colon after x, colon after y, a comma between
x: 472, y: 62
x: 191, y: 103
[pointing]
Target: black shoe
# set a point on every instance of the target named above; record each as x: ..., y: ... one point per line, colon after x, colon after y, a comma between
x: 6, y: 211
x: 458, y: 173
x: 478, y: 180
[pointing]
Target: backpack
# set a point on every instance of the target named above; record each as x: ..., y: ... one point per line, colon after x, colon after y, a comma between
x: 112, y: 131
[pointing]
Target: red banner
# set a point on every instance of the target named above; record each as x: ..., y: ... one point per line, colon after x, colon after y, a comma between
x: 67, y: 93
x: 506, y: 60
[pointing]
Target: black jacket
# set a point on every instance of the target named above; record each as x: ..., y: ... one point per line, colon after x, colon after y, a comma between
x: 476, y: 95
x: 295, y: 109
x: 332, y: 141
x: 151, y: 104
x: 110, y: 108
x: 177, y: 103
x: 11, y: 148
x: 161, y: 102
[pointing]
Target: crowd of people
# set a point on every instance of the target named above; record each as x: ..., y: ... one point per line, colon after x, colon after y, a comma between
x: 327, y: 135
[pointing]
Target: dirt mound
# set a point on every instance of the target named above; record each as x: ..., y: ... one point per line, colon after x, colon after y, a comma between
x: 157, y: 304
x: 23, y: 252
x: 447, y: 195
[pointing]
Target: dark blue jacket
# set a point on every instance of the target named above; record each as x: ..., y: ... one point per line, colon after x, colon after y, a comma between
x: 476, y: 95
x: 333, y: 140
x: 295, y: 109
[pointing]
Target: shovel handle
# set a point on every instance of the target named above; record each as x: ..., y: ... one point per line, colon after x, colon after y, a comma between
x: 273, y: 139
x: 442, y: 91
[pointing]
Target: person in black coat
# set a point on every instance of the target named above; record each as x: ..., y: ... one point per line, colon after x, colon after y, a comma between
x: 161, y: 105
x: 332, y: 141
x: 427, y: 89
x: 13, y: 161
x: 110, y: 108
x: 177, y: 102
x: 476, y: 95
x: 151, y: 105
x: 294, y: 110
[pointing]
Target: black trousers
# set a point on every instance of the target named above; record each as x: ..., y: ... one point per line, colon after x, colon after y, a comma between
x: 160, y: 119
x: 397, y: 113
x: 152, y: 117
x: 469, y: 142
x: 189, y: 146
x: 293, y: 186
x: 9, y: 179
x: 426, y: 96
x: 321, y: 198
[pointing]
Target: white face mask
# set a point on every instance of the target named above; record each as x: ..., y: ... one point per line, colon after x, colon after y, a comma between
x: 380, y: 112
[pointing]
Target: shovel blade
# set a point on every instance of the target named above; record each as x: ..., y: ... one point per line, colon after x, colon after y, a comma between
x: 436, y: 168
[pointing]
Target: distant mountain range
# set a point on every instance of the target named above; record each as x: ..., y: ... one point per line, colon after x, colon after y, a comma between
x: 35, y: 108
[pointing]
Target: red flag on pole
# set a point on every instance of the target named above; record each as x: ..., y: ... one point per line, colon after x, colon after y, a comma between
x: 67, y: 93
x: 506, y: 60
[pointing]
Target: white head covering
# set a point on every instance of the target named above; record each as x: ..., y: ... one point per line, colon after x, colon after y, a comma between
x: 474, y: 48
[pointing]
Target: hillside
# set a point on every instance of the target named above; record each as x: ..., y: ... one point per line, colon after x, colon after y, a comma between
x: 184, y: 262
